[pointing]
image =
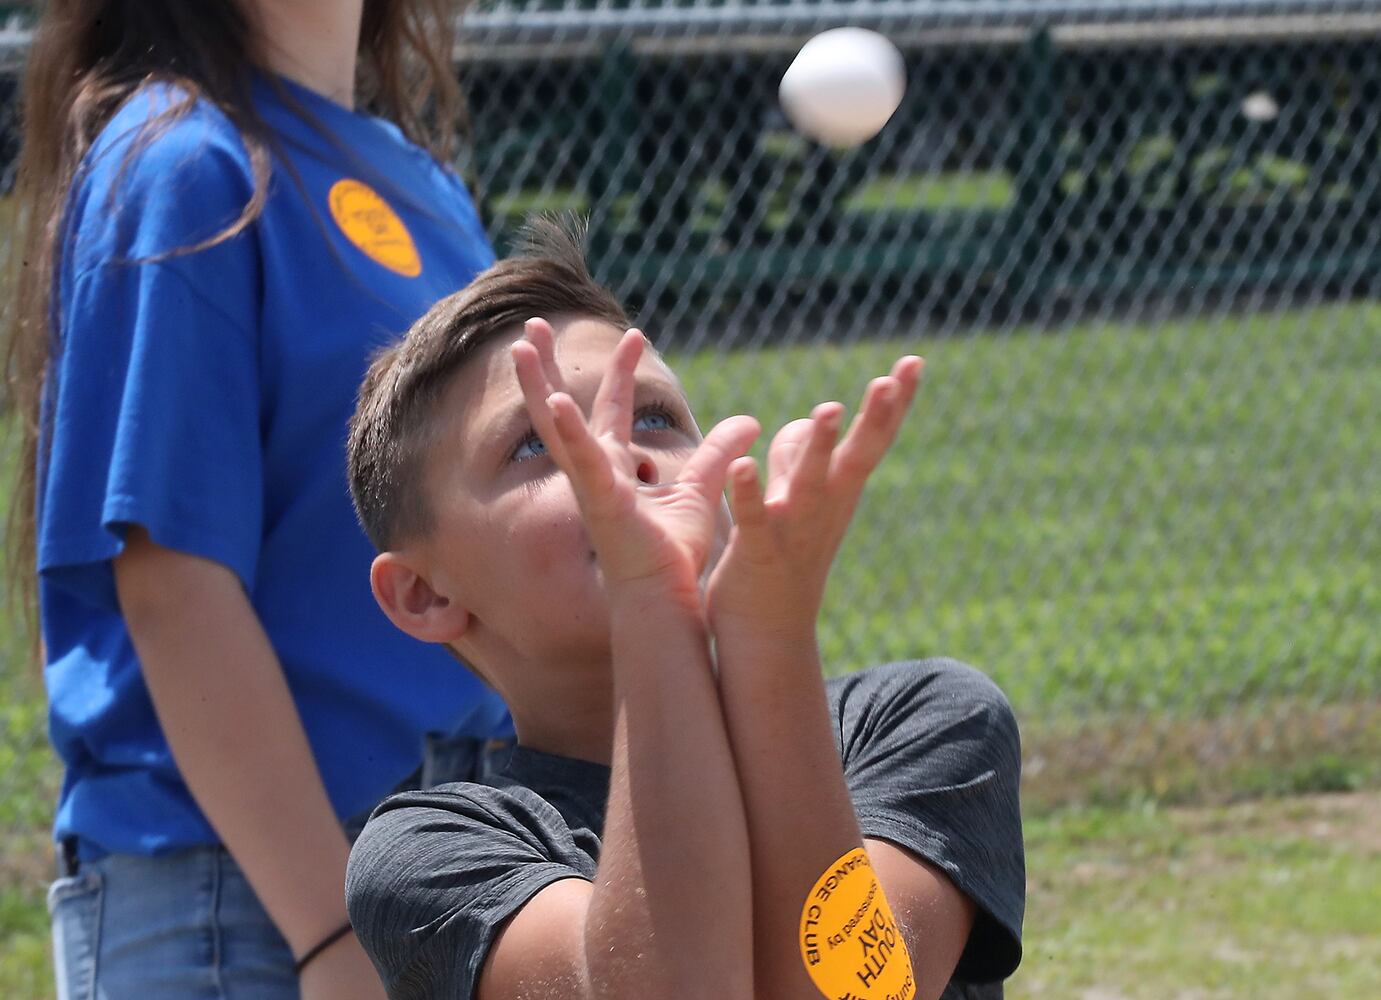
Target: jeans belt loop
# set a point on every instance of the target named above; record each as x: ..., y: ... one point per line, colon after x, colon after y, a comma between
x: 67, y: 856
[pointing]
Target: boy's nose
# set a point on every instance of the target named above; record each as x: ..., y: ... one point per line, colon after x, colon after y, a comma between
x: 645, y: 468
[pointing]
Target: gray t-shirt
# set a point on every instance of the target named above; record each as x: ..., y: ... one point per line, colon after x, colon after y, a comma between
x: 931, y: 757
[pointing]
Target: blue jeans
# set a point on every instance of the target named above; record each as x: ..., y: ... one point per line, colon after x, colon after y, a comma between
x: 187, y: 926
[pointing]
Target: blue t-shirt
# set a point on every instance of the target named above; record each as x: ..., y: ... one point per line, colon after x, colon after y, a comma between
x: 205, y: 397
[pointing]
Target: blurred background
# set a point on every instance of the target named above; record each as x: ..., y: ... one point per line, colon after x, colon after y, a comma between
x: 1137, y: 242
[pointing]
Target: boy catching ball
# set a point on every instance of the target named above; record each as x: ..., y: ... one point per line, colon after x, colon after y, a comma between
x: 690, y: 810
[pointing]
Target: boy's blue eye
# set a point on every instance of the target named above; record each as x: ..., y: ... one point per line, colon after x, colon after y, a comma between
x: 653, y: 419
x: 649, y: 419
x: 529, y: 447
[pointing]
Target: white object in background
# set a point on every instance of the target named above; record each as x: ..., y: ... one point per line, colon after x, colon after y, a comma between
x: 843, y: 86
x: 1260, y: 106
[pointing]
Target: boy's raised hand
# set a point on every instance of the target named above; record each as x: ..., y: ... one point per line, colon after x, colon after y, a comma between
x: 660, y: 531
x: 771, y: 578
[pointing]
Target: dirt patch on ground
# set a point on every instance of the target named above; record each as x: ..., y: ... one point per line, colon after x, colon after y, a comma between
x: 1285, y: 747
x: 1351, y: 820
x: 1193, y: 841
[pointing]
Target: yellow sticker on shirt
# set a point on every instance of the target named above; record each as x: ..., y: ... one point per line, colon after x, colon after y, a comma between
x: 850, y: 943
x: 369, y: 223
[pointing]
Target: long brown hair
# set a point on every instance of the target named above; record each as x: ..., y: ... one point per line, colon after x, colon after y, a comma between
x: 86, y: 59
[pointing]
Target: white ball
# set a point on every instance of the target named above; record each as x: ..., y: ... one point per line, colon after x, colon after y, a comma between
x: 843, y: 86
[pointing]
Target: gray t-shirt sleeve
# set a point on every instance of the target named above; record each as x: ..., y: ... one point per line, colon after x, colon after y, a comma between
x: 932, y: 759
x: 436, y: 873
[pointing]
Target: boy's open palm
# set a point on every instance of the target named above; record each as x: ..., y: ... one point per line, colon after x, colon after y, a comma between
x: 642, y: 529
x: 771, y: 578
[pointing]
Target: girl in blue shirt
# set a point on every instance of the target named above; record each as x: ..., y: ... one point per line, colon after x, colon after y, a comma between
x: 228, y: 211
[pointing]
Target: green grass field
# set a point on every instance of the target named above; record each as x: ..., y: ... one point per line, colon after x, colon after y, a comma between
x: 1115, y: 518
x: 1261, y: 900
x: 1123, y: 524
x: 1161, y: 540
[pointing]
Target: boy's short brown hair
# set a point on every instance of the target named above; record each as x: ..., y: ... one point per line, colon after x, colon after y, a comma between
x: 389, y: 430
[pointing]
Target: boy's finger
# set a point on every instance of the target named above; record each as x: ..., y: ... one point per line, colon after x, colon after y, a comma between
x: 612, y: 412
x: 808, y: 477
x: 782, y: 454
x: 885, y: 404
x: 539, y: 334
x: 872, y: 431
x: 745, y: 494
x: 583, y: 460
x: 908, y: 371
x: 707, y: 467
x: 528, y: 364
x: 532, y: 380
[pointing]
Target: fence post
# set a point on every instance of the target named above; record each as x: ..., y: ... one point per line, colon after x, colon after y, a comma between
x: 1036, y: 186
x: 615, y: 173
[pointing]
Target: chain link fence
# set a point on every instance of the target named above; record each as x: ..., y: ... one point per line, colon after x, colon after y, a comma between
x: 1137, y: 242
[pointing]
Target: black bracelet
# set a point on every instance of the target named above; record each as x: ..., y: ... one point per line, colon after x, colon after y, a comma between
x: 321, y: 946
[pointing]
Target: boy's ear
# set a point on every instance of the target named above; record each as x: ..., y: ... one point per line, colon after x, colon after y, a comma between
x: 410, y: 602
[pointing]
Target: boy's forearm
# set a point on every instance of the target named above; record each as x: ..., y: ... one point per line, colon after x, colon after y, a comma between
x: 671, y: 910
x: 796, y: 803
